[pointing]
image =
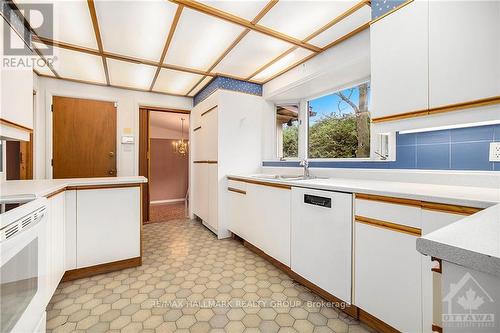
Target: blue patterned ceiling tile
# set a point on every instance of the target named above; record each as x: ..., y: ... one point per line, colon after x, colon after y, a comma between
x: 222, y: 82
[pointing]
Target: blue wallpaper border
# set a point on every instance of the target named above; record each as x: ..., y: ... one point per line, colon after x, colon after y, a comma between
x: 227, y: 83
x: 451, y: 149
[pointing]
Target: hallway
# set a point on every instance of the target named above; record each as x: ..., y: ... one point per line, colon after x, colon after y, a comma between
x: 167, y: 212
x: 192, y: 282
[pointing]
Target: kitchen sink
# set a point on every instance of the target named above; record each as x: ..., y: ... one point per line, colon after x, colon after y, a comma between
x: 283, y: 177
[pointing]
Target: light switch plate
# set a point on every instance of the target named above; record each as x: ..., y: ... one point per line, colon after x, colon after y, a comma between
x: 495, y: 152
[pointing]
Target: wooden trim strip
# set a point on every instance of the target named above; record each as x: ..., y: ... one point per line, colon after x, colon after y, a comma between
x: 15, y: 125
x: 389, y: 225
x: 170, y: 36
x: 211, y: 109
x: 439, y: 207
x: 96, y: 187
x: 440, y: 109
x: 375, y: 323
x: 208, y: 10
x: 380, y: 198
x: 205, y: 162
x: 232, y: 189
x: 159, y: 109
x: 197, y: 128
x: 440, y: 265
x: 97, y: 32
x: 50, y: 195
x: 259, y: 182
x: 80, y: 273
x: 453, y: 209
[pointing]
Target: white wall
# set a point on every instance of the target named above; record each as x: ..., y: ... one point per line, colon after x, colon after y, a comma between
x: 127, y: 119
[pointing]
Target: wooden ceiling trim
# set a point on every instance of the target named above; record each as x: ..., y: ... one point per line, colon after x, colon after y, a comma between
x: 46, y: 62
x: 200, y: 7
x: 171, y: 32
x: 97, y: 32
x: 330, y: 24
x: 256, y: 19
x: 332, y: 44
x: 110, y: 85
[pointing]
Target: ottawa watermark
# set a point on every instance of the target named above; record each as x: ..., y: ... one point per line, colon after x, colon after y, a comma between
x: 22, y: 49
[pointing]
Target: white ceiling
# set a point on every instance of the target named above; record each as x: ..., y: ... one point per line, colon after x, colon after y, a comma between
x: 175, y: 47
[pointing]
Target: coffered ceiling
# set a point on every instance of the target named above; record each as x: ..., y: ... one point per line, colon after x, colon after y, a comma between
x: 176, y: 47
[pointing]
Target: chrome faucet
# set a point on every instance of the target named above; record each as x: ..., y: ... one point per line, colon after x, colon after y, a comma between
x: 305, y: 163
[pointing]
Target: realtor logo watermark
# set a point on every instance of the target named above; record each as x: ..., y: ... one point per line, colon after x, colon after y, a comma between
x: 467, y: 305
x: 17, y: 40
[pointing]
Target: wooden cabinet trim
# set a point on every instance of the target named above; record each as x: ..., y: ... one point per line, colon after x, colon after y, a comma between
x: 437, y: 328
x: 211, y: 109
x: 232, y: 189
x: 90, y: 187
x: 375, y: 323
x: 53, y: 194
x: 437, y: 269
x: 259, y: 182
x: 15, y: 125
x: 440, y: 109
x: 389, y: 225
x: 453, y: 209
x: 197, y: 128
x: 439, y: 207
x: 80, y: 273
x: 392, y: 200
x: 206, y: 162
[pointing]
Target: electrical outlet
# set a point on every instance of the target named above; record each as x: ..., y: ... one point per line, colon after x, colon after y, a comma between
x: 495, y: 152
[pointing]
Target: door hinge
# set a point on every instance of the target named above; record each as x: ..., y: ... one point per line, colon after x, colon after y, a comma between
x: 52, y: 107
x: 52, y: 162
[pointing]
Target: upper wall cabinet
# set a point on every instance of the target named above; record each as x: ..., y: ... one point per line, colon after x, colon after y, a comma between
x: 16, y: 100
x: 464, y: 51
x: 399, y: 61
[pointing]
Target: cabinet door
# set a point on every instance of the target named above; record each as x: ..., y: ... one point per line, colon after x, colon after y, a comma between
x: 209, y: 127
x: 387, y: 278
x: 431, y: 281
x: 109, y: 225
x: 200, y: 190
x: 268, y: 224
x: 56, y: 235
x: 236, y: 207
x: 399, y: 61
x: 464, y: 51
x: 212, y: 196
x: 197, y: 145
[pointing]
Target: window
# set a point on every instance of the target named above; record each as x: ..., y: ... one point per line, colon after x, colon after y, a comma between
x: 287, y: 131
x: 339, y: 124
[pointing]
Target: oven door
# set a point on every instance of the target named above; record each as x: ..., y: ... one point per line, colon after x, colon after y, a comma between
x: 22, y: 278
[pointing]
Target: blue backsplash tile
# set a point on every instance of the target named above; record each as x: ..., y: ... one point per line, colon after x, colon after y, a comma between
x: 222, y: 82
x: 434, y: 157
x: 454, y: 149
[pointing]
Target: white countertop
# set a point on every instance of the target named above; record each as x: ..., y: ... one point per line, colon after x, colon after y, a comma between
x: 472, y: 242
x: 479, y: 197
x: 43, y: 187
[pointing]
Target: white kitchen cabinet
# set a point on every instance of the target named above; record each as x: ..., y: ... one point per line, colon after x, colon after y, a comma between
x: 213, y: 196
x: 388, y: 276
x: 56, y: 234
x: 236, y: 203
x: 399, y: 61
x: 321, y: 239
x: 464, y: 51
x: 200, y: 200
x: 431, y: 281
x: 16, y: 91
x: 70, y: 226
x: 210, y: 138
x: 108, y: 225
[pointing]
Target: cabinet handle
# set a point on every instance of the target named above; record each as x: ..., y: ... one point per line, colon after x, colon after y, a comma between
x: 439, y: 267
x: 235, y: 190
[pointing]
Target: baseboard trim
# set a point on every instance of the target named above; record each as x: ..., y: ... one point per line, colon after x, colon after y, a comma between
x: 375, y: 323
x: 84, y: 272
x: 159, y: 202
x: 350, y: 309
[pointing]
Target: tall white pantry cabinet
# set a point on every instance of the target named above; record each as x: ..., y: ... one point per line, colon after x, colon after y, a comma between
x: 225, y: 138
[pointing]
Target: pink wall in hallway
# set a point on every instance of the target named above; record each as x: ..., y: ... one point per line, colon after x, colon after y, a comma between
x: 169, y: 171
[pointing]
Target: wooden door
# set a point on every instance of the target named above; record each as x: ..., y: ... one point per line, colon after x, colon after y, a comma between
x: 84, y: 138
x: 144, y: 160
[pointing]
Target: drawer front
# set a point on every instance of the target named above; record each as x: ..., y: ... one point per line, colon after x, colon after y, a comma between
x: 406, y: 215
x: 236, y: 185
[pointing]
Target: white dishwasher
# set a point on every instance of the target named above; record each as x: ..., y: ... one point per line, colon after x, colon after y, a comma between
x: 321, y: 239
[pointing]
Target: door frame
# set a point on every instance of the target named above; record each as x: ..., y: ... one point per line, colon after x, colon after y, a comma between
x: 144, y: 160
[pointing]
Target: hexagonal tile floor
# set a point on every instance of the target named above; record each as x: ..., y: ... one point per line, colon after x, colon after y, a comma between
x: 192, y: 282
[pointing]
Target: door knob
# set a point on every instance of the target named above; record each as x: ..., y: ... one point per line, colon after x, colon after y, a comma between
x: 111, y: 172
x: 111, y: 153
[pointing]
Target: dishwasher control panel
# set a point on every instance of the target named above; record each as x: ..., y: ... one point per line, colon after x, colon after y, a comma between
x: 317, y: 201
